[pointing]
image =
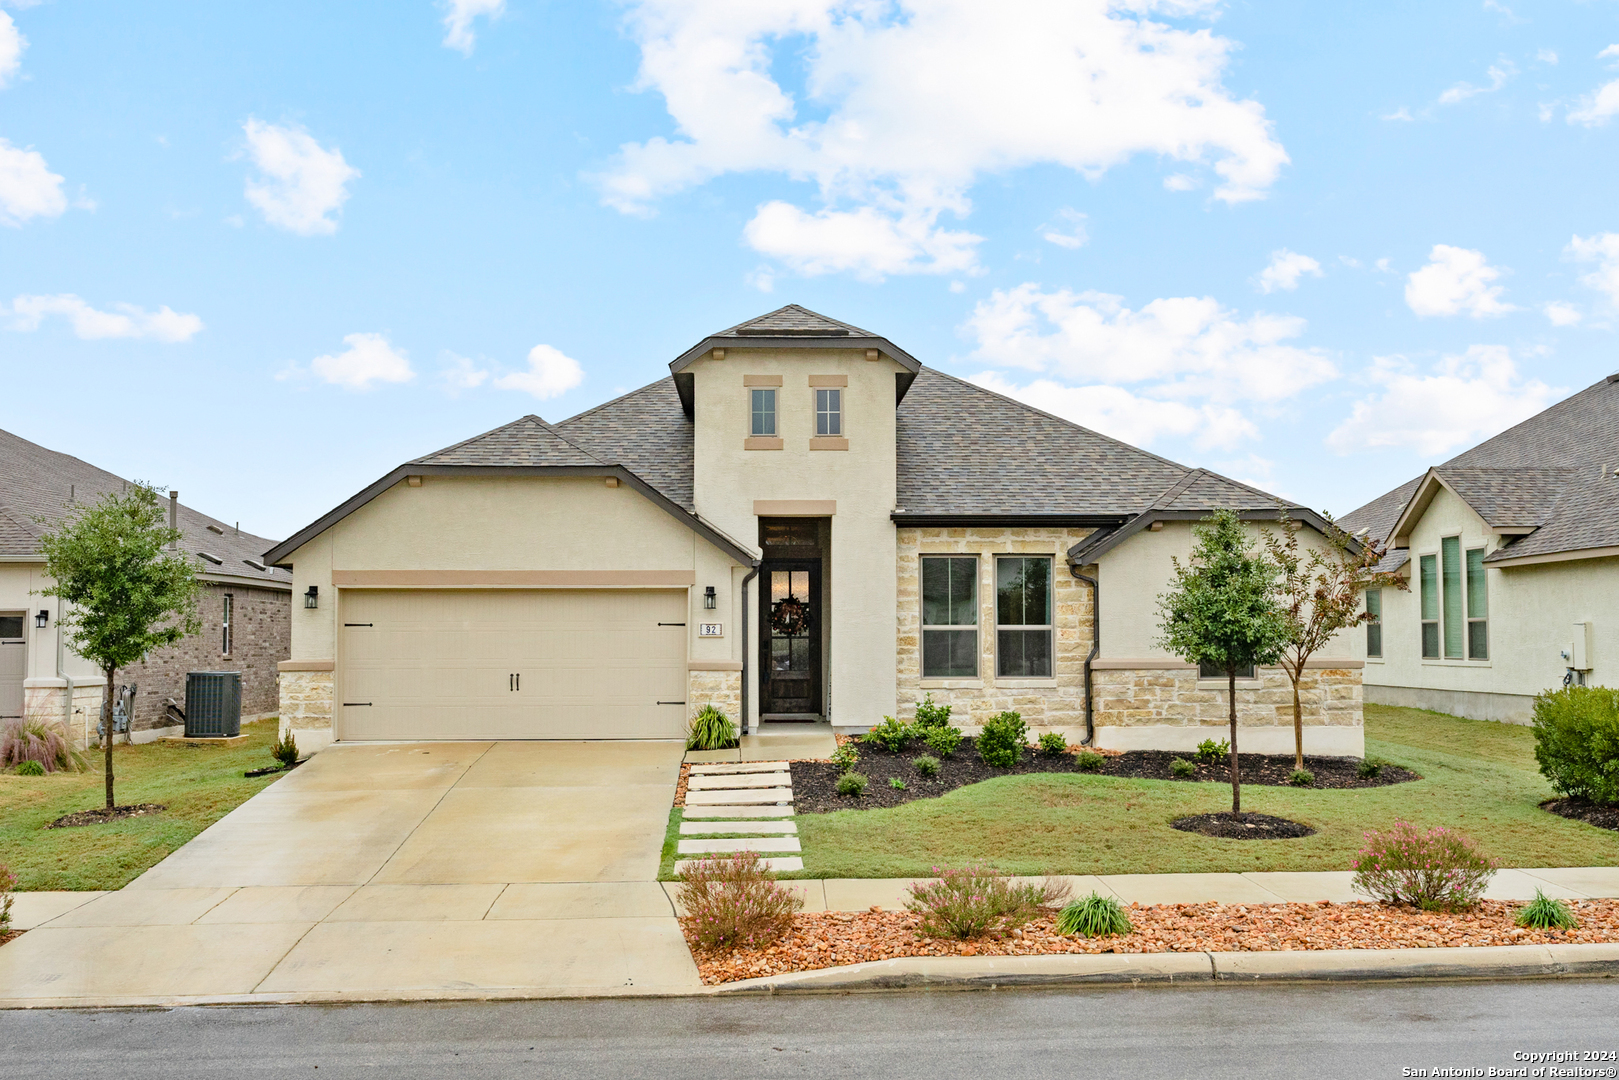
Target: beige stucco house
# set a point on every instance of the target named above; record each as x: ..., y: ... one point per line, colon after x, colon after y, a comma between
x: 800, y: 524
x: 1511, y: 553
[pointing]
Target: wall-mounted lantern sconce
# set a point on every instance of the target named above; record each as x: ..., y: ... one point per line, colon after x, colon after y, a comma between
x: 42, y: 618
x: 312, y: 597
x: 709, y: 599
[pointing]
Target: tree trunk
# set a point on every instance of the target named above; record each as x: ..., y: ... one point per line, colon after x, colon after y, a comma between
x: 1236, y: 776
x: 1298, y: 719
x: 106, y: 729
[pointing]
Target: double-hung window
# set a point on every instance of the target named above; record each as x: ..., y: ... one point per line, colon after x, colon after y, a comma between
x: 1206, y: 670
x: 763, y: 409
x: 949, y: 617
x: 829, y: 412
x: 1478, y: 607
x: 1374, y: 622
x: 1450, y: 565
x: 1428, y: 571
x: 225, y: 624
x: 1023, y: 616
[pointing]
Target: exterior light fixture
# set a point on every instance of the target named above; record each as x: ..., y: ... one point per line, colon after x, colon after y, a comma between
x: 709, y: 599
x: 42, y: 618
x: 312, y: 597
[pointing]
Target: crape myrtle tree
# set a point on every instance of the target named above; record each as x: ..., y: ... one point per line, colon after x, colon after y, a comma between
x: 1319, y: 593
x: 125, y: 594
x: 1221, y: 612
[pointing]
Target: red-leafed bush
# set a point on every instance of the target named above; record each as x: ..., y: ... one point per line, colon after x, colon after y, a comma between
x: 46, y: 742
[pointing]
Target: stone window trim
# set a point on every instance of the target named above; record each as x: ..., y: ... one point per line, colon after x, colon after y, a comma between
x: 828, y: 412
x: 763, y: 409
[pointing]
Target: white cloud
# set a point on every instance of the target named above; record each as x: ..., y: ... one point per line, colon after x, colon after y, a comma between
x: 1561, y: 313
x: 1456, y: 281
x: 1464, y: 399
x: 1071, y: 234
x: 1499, y: 73
x: 302, y: 183
x: 125, y: 321
x: 1402, y: 113
x: 1602, y: 249
x: 551, y: 373
x: 1597, y: 107
x: 463, y: 375
x: 368, y: 359
x: 28, y: 189
x: 12, y: 43
x: 914, y: 101
x: 1285, y: 269
x: 1116, y: 412
x: 1546, y: 56
x: 458, y: 16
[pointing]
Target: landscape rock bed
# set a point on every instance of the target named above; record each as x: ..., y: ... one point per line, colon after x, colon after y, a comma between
x: 823, y: 939
x: 101, y: 815
x: 1229, y: 826
x: 815, y: 782
x: 1603, y: 817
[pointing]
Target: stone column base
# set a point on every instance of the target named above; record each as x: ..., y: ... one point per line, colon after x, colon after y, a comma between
x: 306, y: 708
x: 721, y: 689
x: 44, y: 699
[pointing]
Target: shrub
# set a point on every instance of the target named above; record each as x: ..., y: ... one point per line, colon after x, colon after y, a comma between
x: 1094, y: 916
x: 974, y: 900
x: 1433, y: 869
x: 285, y: 750
x: 853, y: 784
x: 1544, y: 913
x: 710, y: 729
x: 891, y: 735
x: 1182, y: 768
x: 926, y: 765
x: 1053, y: 744
x: 896, y: 783
x: 1000, y: 743
x: 8, y: 882
x: 1577, y: 741
x: 44, y: 741
x: 930, y: 715
x: 1301, y: 778
x: 30, y: 768
x: 733, y: 900
x: 1089, y: 761
x: 1368, y: 769
x: 846, y: 756
x: 943, y: 741
x: 1213, y: 752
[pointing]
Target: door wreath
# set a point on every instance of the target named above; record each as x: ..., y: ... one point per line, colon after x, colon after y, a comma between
x: 789, y: 617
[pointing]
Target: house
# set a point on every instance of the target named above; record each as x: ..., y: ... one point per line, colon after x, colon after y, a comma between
x: 800, y: 524
x: 244, y: 605
x: 1511, y: 551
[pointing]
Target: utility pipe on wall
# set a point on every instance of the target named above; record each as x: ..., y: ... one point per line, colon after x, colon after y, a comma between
x: 1096, y: 647
x: 751, y: 575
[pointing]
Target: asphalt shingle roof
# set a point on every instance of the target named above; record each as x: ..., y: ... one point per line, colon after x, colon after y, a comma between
x: 793, y: 321
x: 645, y: 431
x: 527, y: 440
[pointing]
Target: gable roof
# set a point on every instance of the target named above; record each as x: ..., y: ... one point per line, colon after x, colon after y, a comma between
x: 39, y: 483
x: 795, y: 321
x: 646, y: 431
x: 528, y: 440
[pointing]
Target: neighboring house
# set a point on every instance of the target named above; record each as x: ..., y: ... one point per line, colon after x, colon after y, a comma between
x: 801, y: 523
x: 243, y: 606
x: 1512, y: 554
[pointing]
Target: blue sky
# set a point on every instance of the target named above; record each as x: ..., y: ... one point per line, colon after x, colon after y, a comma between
x: 264, y: 254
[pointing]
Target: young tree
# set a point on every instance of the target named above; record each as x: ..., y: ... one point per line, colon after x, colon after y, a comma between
x: 1221, y: 611
x: 1319, y: 592
x: 128, y: 595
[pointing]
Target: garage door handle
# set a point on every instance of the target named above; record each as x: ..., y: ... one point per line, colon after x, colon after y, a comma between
x: 671, y: 703
x: 671, y: 624
x: 356, y: 703
x: 356, y: 624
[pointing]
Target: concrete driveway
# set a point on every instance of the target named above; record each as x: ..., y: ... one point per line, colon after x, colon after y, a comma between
x: 410, y: 870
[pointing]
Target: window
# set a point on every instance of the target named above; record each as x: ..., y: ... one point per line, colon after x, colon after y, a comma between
x: 1023, y: 616
x: 950, y: 617
x: 225, y: 624
x: 1374, y: 622
x: 764, y: 412
x: 1478, y: 608
x: 1429, y: 572
x: 829, y: 412
x: 11, y: 626
x: 1207, y: 670
x: 1450, y: 565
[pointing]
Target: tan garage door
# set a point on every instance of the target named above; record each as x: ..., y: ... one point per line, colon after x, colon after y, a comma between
x: 512, y: 664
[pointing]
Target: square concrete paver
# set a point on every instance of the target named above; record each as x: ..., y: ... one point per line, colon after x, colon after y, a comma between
x: 735, y: 781
x: 1188, y: 889
x: 743, y: 843
x: 1309, y: 887
x: 417, y: 903
x: 278, y: 904
x: 31, y: 909
x: 582, y: 900
x: 753, y: 797
x: 145, y: 907
x: 722, y: 769
x: 752, y: 828
x: 692, y: 812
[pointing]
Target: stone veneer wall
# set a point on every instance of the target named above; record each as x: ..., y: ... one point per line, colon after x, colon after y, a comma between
x: 722, y: 689
x: 306, y: 707
x: 45, y: 703
x: 1045, y: 704
x: 1176, y: 696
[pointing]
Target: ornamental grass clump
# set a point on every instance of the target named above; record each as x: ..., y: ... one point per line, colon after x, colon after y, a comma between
x: 29, y: 768
x: 1544, y: 913
x: 43, y: 741
x: 1094, y: 916
x: 970, y: 901
x: 734, y: 900
x: 710, y: 729
x: 1432, y: 869
x: 1001, y: 741
x: 890, y: 735
x: 285, y: 750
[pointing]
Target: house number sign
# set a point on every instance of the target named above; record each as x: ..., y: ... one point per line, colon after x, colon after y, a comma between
x: 710, y: 629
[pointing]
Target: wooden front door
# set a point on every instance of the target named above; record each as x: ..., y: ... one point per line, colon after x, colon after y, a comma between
x: 790, y: 644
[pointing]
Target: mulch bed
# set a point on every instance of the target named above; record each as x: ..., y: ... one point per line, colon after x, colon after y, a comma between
x: 823, y: 939
x: 11, y: 935
x: 1603, y: 817
x: 101, y: 815
x: 1229, y: 826
x: 270, y: 770
x: 815, y: 782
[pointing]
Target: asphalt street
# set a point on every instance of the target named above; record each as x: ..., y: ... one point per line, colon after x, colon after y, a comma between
x: 1314, y: 1031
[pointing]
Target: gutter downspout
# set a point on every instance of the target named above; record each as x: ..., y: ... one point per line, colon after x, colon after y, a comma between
x: 751, y: 575
x: 1096, y: 647
x: 61, y: 673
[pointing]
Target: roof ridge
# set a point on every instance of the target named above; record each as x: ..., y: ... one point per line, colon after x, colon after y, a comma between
x: 552, y: 428
x: 799, y: 309
x: 1605, y: 381
x: 526, y: 418
x: 1175, y: 490
x: 614, y: 401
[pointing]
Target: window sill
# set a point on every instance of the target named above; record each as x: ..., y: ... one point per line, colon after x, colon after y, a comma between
x: 1374, y: 659
x: 1025, y: 684
x: 1431, y: 662
x: 828, y: 442
x: 952, y: 684
x: 761, y: 442
x: 1221, y: 684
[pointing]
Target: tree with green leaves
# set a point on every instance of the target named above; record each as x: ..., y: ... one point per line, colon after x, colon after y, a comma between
x: 125, y: 593
x: 1220, y: 611
x: 1319, y: 592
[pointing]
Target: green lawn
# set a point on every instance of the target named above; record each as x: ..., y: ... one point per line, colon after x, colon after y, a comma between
x: 1479, y: 777
x: 199, y: 785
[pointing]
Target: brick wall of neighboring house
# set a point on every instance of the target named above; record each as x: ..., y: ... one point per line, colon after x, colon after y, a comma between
x: 260, y: 639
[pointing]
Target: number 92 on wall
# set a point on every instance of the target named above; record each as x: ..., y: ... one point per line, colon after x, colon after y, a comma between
x: 710, y: 629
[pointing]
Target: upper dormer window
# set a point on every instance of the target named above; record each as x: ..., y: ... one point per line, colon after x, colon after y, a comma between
x: 829, y: 412
x: 764, y: 412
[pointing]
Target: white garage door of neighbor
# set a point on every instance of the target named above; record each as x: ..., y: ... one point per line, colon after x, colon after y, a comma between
x: 512, y: 664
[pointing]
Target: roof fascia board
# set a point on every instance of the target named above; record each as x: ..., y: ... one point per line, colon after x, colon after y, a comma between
x: 1421, y: 499
x: 37, y: 557
x: 1091, y: 521
x: 247, y: 583
x: 1551, y: 557
x: 883, y: 345
x: 1092, y: 548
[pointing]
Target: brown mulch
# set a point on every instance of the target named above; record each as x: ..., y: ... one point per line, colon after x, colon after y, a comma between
x: 680, y: 785
x: 1229, y: 826
x: 11, y: 935
x: 1603, y: 817
x: 101, y: 815
x: 815, y: 783
x: 822, y: 939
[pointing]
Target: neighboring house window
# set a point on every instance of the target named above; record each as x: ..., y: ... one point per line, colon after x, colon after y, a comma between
x: 1429, y: 572
x: 1374, y: 622
x: 949, y: 617
x: 1478, y: 608
x: 764, y: 412
x: 225, y: 621
x: 1450, y: 565
x: 1023, y: 616
x: 1206, y: 670
x: 829, y: 412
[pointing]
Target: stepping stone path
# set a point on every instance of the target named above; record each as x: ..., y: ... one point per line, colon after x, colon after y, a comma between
x: 748, y: 800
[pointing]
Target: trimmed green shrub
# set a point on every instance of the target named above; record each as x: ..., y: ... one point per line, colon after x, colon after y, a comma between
x: 943, y: 741
x: 1089, y: 761
x: 896, y: 783
x: 846, y: 756
x: 1213, y: 752
x: 1577, y: 741
x: 1302, y: 778
x: 30, y: 768
x: 1437, y: 869
x: 1368, y: 769
x: 1001, y: 741
x: 1053, y: 744
x: 974, y: 900
x: 926, y: 765
x: 285, y: 750
x: 1094, y: 916
x: 852, y: 784
x: 891, y: 735
x: 1182, y: 768
x: 1544, y: 913
x: 733, y: 900
x: 929, y: 715
x: 44, y: 741
x: 710, y: 729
